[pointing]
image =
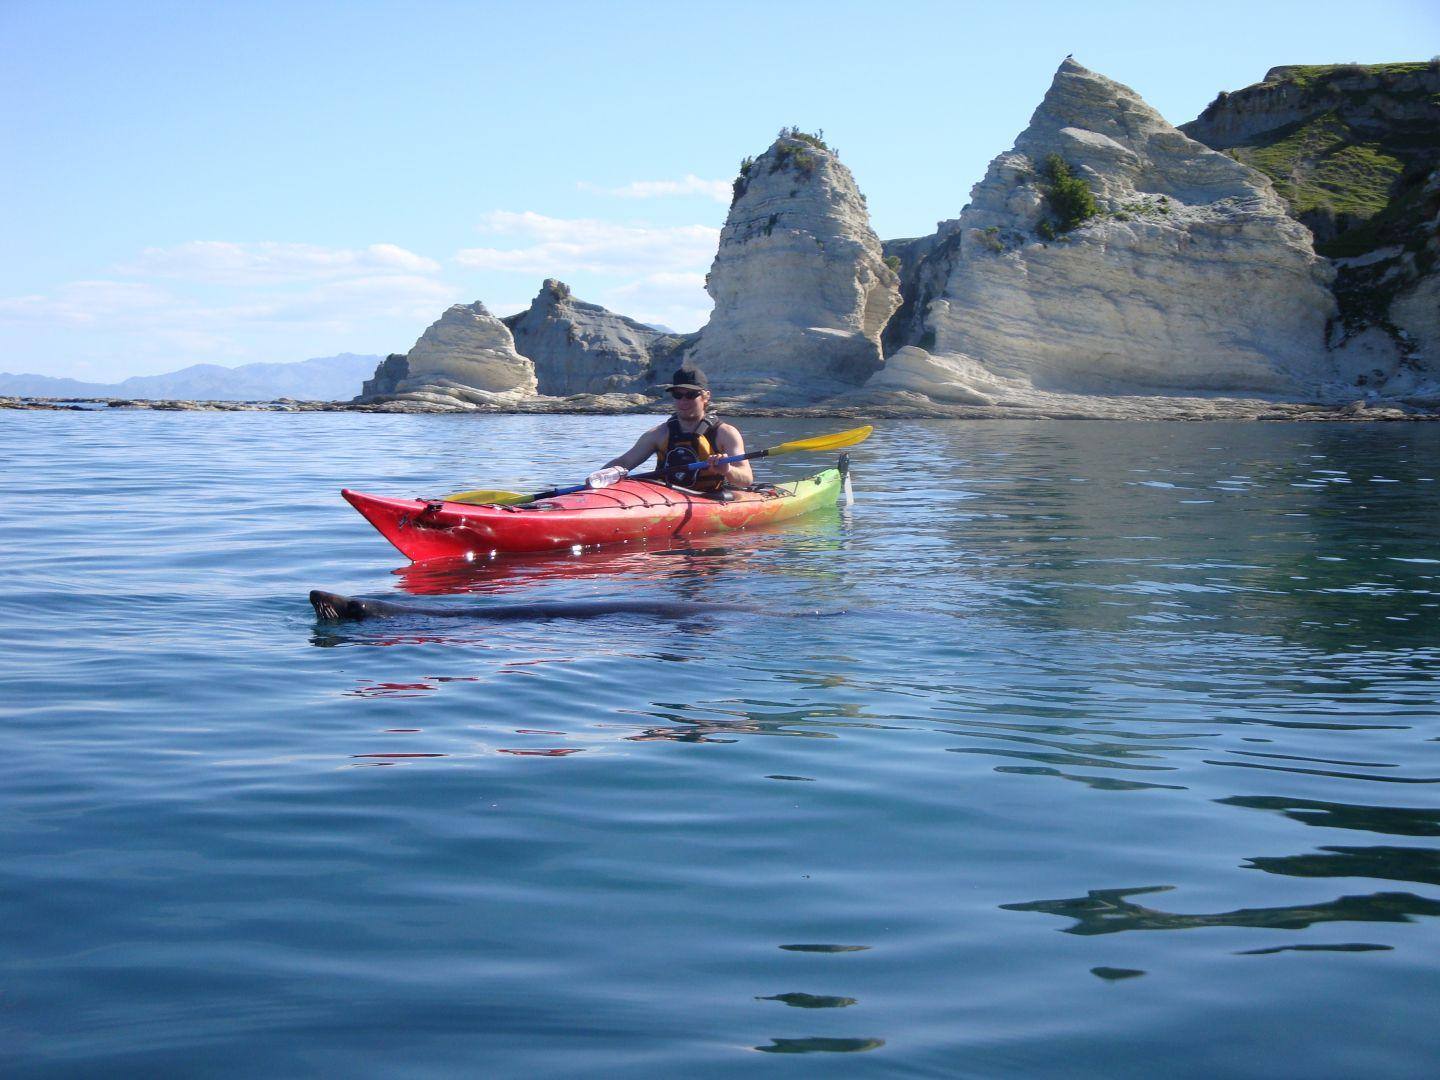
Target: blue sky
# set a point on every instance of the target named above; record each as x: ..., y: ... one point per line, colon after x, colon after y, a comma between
x: 233, y: 182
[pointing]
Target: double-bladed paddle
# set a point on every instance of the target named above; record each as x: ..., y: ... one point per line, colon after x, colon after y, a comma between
x: 816, y: 444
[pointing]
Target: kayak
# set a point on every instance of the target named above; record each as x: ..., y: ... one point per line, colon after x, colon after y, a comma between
x: 630, y: 511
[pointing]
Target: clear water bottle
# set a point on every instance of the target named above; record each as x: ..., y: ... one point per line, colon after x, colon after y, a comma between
x: 606, y: 477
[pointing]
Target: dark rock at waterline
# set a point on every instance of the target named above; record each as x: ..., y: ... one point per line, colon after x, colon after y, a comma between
x: 901, y: 407
x: 388, y: 375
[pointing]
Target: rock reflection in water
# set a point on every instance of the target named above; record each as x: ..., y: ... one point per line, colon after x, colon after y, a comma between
x: 1099, y: 783
x: 1329, y: 772
x: 825, y: 948
x: 810, y: 1001
x: 1354, y: 946
x: 1108, y: 911
x: 1390, y: 820
x: 1111, y: 750
x: 1421, y: 865
x: 1081, y: 760
x: 819, y: 1046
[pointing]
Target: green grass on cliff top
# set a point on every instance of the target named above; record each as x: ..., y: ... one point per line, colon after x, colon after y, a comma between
x: 1306, y: 76
x: 1323, y: 164
x: 1348, y: 165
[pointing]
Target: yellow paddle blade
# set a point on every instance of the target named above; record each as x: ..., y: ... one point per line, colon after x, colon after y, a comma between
x: 839, y: 441
x: 486, y: 496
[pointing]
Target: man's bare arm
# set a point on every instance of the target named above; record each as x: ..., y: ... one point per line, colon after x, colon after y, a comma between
x: 636, y: 455
x: 728, y: 443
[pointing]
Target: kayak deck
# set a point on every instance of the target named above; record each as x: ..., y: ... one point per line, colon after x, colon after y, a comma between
x: 629, y: 511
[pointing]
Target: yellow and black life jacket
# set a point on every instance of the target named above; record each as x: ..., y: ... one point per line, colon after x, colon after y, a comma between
x: 682, y: 449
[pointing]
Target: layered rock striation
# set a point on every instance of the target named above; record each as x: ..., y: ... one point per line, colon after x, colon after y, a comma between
x: 800, y: 284
x: 580, y: 348
x: 1354, y: 150
x: 1109, y: 253
x: 465, y: 358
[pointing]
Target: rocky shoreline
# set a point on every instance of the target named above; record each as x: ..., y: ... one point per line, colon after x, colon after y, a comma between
x: 1061, y: 408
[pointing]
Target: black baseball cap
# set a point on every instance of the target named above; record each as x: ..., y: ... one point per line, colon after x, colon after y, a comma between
x: 687, y: 378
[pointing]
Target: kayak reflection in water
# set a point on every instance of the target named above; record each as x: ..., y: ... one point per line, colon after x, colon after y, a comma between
x: 693, y: 434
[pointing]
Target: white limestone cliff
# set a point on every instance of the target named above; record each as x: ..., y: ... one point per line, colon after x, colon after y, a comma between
x: 800, y: 284
x: 466, y: 357
x: 947, y: 380
x: 470, y: 346
x: 1191, y: 278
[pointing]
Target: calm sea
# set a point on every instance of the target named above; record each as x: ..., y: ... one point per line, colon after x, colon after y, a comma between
x: 1123, y: 760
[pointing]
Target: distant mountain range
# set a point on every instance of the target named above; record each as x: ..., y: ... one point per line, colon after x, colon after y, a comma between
x: 325, y: 378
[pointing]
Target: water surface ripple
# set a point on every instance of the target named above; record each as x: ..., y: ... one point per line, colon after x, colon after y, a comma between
x: 1091, y: 679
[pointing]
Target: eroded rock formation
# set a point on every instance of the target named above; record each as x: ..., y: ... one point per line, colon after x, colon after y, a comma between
x: 1108, y: 264
x: 467, y: 357
x: 388, y: 375
x: 580, y: 348
x: 1185, y: 274
x: 914, y: 373
x: 800, y: 284
x: 1354, y: 150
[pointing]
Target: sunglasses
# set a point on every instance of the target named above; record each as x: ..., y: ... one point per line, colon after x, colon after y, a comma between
x: 685, y: 395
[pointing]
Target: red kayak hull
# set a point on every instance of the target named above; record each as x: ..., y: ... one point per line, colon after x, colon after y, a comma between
x: 628, y: 512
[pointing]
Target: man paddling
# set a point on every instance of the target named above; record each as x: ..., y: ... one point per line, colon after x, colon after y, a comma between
x: 693, y: 434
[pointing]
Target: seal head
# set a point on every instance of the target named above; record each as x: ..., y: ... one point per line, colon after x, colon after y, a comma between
x: 332, y: 607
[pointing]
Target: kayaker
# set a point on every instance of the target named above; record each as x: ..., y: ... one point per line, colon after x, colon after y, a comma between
x: 693, y: 434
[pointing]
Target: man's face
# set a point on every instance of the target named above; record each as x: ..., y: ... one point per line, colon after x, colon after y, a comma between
x: 690, y: 405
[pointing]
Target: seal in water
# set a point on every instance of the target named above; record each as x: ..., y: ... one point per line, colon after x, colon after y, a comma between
x: 332, y: 607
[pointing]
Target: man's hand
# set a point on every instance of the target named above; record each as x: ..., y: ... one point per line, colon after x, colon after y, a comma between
x: 716, y: 465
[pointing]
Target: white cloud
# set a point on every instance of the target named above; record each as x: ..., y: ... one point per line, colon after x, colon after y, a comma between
x: 718, y: 190
x: 190, y: 343
x: 667, y: 289
x: 680, y: 282
x: 81, y: 303
x: 136, y: 305
x: 233, y: 301
x: 677, y: 300
x: 272, y: 263
x: 352, y: 301
x: 230, y: 302
x: 558, y: 246
x: 181, y: 323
